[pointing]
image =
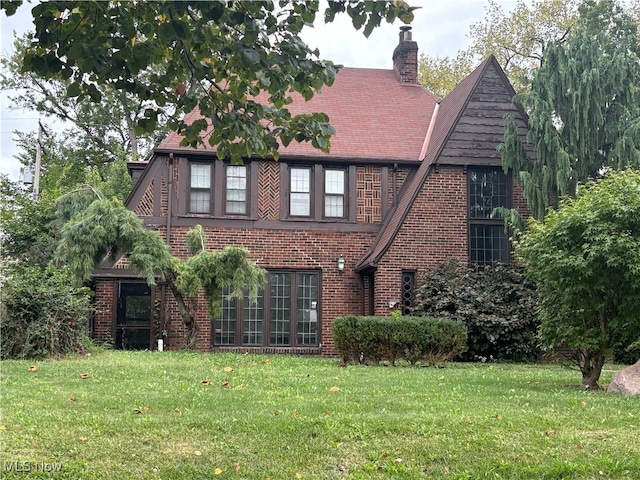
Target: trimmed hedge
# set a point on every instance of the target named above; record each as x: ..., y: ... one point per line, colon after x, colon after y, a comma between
x: 428, y: 340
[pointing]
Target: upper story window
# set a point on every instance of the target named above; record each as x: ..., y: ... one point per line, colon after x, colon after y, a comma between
x: 318, y: 193
x: 236, y: 189
x: 217, y: 189
x: 334, y: 193
x: 300, y: 193
x: 487, y: 190
x: 200, y: 188
x: 488, y: 242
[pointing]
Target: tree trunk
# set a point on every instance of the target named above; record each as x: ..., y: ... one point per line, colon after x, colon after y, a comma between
x: 591, y: 367
x: 187, y: 319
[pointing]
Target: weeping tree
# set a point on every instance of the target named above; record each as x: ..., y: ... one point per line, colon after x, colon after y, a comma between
x: 106, y: 229
x: 584, y: 107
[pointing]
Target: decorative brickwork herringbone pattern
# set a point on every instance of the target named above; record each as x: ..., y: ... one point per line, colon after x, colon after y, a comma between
x: 269, y: 191
x: 145, y: 206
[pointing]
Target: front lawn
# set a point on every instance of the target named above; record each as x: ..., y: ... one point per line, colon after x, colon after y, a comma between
x: 182, y: 415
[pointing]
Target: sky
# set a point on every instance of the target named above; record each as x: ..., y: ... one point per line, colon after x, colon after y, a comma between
x: 440, y: 28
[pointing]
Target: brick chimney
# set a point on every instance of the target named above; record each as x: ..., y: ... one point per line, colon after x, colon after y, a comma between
x: 405, y: 58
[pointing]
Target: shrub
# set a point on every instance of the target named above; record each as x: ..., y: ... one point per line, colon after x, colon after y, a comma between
x: 497, y: 304
x: 42, y: 315
x: 416, y: 339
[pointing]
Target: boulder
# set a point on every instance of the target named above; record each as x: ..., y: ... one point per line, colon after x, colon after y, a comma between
x: 626, y: 381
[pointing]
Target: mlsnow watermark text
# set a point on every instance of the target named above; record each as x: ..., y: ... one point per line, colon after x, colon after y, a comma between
x: 26, y: 466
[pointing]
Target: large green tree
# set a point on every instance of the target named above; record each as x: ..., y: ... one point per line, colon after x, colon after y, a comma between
x: 584, y: 107
x: 217, y: 56
x: 586, y: 258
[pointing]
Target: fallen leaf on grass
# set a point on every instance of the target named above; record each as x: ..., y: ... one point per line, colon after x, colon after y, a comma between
x: 32, y: 368
x: 276, y: 413
x: 205, y: 382
x: 266, y: 361
x: 177, y: 410
x: 549, y: 433
x: 441, y: 377
x: 228, y: 369
x: 217, y: 471
x: 84, y: 375
x: 197, y: 453
x: 226, y: 385
x: 238, y: 467
x: 137, y: 411
x: 3, y: 427
x: 73, y: 399
x: 298, y: 475
x: 334, y: 389
x: 83, y: 439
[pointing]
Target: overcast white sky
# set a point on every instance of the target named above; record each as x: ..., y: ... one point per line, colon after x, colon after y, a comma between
x: 440, y: 28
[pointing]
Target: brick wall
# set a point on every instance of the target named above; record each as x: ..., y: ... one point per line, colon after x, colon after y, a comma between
x: 103, y: 303
x: 341, y: 294
x: 434, y: 230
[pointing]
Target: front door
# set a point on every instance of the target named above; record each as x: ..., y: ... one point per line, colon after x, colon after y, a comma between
x: 133, y: 325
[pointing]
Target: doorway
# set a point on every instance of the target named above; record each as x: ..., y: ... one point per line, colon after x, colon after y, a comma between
x: 133, y: 323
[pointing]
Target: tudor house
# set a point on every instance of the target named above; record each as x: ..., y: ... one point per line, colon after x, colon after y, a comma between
x: 410, y: 182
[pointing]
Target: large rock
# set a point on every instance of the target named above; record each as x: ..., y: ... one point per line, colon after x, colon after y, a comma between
x: 626, y: 381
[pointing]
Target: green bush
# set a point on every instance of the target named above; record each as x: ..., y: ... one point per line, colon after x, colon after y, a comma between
x: 497, y: 304
x: 42, y: 315
x: 427, y: 340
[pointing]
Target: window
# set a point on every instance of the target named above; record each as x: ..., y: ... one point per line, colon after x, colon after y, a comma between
x: 488, y: 241
x: 290, y: 303
x: 200, y: 192
x: 487, y: 190
x: 334, y: 188
x: 300, y: 200
x: 318, y: 193
x: 408, y: 282
x: 236, y: 189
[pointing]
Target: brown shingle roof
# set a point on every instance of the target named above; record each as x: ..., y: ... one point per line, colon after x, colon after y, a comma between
x: 375, y: 117
x: 446, y: 117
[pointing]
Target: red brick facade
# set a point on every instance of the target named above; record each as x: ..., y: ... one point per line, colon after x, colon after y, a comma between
x: 406, y: 208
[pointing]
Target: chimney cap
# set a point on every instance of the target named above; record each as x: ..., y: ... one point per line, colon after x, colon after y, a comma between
x: 405, y: 28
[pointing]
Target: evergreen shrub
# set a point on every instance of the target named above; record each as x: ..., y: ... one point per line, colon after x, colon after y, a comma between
x: 42, y: 315
x: 427, y: 340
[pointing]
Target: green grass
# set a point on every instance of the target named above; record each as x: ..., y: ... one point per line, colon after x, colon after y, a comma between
x: 147, y: 415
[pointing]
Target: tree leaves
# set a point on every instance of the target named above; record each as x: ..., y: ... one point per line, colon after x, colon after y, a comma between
x: 583, y: 107
x: 202, y: 45
x: 586, y: 257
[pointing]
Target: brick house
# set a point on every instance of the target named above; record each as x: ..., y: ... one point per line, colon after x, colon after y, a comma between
x: 410, y: 182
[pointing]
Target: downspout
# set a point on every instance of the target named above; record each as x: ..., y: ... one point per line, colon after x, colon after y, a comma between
x: 163, y: 288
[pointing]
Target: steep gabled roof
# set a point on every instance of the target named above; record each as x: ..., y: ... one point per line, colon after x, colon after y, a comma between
x: 376, y: 118
x: 444, y: 122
